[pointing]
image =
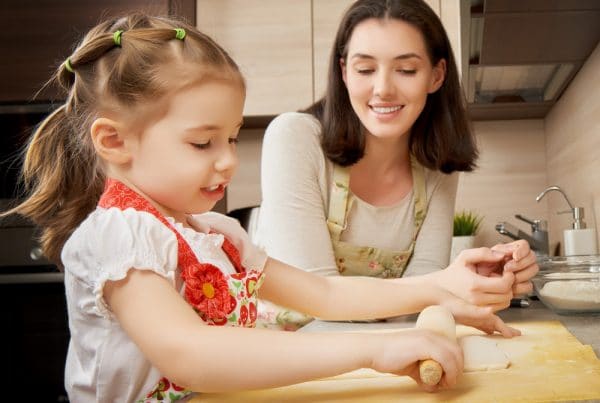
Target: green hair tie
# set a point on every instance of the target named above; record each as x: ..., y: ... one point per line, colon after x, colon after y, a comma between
x: 117, y: 37
x: 179, y: 33
x: 68, y: 65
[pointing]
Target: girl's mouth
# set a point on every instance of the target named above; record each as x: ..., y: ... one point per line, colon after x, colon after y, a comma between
x: 215, y: 192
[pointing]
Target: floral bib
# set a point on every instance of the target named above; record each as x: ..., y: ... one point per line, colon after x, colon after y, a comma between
x: 218, y: 298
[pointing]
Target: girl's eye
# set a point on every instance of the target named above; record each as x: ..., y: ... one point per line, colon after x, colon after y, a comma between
x: 201, y: 146
x: 234, y: 140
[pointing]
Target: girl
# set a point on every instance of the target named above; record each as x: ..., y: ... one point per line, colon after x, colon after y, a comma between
x: 367, y: 176
x: 160, y: 292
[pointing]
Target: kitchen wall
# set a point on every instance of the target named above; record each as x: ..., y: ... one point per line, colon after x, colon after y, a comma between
x: 511, y: 173
x: 572, y: 146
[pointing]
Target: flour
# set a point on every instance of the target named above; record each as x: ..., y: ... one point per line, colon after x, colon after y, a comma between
x: 574, y: 294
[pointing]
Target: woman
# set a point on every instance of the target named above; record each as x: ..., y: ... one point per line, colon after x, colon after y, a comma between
x: 364, y: 182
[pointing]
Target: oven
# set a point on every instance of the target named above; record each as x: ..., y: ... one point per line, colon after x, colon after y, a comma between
x: 35, y: 332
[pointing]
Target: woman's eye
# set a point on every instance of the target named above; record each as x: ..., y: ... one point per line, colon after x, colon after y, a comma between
x: 234, y: 140
x: 364, y: 71
x: 408, y: 72
x: 201, y: 146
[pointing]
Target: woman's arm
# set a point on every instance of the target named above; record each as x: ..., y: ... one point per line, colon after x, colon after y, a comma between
x: 219, y: 358
x: 292, y: 223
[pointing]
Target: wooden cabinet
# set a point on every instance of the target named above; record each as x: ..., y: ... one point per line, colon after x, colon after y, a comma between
x: 37, y: 35
x: 327, y: 15
x: 271, y: 42
x: 283, y: 46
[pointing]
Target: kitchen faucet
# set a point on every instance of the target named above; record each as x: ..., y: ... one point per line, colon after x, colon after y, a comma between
x: 538, y: 240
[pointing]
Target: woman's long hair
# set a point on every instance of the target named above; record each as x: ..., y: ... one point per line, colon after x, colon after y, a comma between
x: 441, y: 137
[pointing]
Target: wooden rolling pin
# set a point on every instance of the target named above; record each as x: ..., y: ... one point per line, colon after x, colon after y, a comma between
x: 440, y: 320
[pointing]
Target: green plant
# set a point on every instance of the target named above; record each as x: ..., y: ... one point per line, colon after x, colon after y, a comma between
x: 466, y: 223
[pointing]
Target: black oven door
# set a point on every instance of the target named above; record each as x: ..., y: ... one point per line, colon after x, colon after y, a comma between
x: 35, y: 333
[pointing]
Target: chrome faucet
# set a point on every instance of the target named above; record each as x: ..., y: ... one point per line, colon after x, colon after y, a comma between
x: 538, y: 240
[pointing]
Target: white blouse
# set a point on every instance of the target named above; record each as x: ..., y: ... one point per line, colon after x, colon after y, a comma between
x: 103, y: 363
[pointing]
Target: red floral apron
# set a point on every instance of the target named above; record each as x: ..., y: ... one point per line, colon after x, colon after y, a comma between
x: 218, y: 298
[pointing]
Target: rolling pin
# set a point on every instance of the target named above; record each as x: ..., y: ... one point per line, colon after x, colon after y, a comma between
x: 439, y: 320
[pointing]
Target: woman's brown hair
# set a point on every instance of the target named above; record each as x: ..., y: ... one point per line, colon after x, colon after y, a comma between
x: 62, y: 175
x: 441, y: 137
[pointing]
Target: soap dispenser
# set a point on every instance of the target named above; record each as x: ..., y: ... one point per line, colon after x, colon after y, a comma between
x: 578, y: 240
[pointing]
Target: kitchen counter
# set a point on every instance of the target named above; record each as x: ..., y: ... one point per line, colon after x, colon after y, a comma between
x: 554, y: 360
x: 586, y: 328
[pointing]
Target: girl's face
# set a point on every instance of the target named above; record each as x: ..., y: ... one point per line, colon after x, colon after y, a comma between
x: 184, y: 161
x: 388, y: 76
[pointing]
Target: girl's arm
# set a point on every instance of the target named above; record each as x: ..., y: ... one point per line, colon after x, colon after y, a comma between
x: 359, y: 298
x: 215, y: 359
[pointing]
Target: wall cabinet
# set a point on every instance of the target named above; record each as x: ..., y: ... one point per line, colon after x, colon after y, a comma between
x: 283, y: 47
x: 271, y: 42
x: 37, y: 35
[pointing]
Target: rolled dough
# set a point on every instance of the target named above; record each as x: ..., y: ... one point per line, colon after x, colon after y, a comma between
x: 482, y: 354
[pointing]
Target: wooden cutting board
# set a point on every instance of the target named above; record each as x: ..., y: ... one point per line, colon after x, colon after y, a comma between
x: 547, y: 364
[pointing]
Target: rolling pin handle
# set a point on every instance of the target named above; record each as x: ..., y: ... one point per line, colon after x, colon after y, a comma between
x: 430, y: 372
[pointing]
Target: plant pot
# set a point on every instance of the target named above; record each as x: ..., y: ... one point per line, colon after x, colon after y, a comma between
x: 460, y: 243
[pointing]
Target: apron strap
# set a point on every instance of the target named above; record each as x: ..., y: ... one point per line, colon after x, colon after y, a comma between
x: 338, y: 201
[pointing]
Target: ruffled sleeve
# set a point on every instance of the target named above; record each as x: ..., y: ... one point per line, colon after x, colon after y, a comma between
x: 111, y: 241
x: 252, y: 257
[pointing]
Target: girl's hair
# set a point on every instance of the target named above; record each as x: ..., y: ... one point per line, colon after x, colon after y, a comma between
x: 109, y: 72
x: 441, y: 137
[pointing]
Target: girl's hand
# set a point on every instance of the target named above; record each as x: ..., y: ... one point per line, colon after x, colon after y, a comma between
x: 401, y: 352
x: 520, y: 260
x: 476, y: 276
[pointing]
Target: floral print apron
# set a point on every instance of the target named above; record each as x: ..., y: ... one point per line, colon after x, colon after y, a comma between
x: 352, y: 260
x: 219, y: 299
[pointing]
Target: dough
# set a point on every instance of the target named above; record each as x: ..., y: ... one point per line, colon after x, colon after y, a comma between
x: 482, y: 354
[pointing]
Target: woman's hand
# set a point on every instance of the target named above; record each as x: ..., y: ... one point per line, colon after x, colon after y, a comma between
x: 401, y: 352
x: 520, y: 260
x: 476, y: 276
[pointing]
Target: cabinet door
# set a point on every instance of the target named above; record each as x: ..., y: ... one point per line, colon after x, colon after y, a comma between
x: 37, y: 35
x: 271, y: 42
x: 326, y: 18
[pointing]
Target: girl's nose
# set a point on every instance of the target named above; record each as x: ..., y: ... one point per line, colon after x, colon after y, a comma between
x: 227, y: 160
x: 383, y: 86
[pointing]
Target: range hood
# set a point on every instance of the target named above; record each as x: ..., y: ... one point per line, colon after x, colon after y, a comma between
x: 524, y: 53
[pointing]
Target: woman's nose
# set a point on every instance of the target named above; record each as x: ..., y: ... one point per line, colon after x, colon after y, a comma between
x: 383, y: 86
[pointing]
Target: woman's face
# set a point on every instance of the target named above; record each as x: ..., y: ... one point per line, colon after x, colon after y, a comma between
x: 388, y: 76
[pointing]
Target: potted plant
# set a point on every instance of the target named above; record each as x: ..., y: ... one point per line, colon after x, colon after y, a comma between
x: 466, y: 224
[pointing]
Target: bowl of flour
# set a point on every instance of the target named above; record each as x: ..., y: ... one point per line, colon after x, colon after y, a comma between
x: 569, y: 285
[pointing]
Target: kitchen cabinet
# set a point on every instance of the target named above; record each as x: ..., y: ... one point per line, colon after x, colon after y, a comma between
x: 271, y: 42
x: 283, y: 47
x: 37, y: 35
x: 327, y: 15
